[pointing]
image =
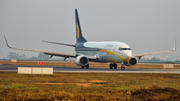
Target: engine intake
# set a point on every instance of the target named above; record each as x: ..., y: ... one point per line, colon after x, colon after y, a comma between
x: 133, y: 61
x: 81, y: 60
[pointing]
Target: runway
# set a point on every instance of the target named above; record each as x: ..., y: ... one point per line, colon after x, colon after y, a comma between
x: 95, y: 69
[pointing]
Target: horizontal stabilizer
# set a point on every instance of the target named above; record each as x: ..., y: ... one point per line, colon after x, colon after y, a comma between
x: 59, y: 43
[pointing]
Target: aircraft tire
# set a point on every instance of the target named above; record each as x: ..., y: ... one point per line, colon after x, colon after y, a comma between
x: 82, y: 67
x: 122, y: 67
x: 111, y: 66
x: 87, y: 66
x: 115, y: 66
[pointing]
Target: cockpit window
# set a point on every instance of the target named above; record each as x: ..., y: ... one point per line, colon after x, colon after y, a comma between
x: 124, y: 49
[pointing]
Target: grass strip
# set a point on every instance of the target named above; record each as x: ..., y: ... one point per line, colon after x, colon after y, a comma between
x: 89, y: 86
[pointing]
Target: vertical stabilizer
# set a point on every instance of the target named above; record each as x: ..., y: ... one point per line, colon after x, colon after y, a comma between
x: 79, y: 37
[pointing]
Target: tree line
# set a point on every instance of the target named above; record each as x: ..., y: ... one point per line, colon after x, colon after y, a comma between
x: 13, y: 55
x: 154, y: 59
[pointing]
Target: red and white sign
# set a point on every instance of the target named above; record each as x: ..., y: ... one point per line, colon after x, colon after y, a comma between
x: 41, y: 63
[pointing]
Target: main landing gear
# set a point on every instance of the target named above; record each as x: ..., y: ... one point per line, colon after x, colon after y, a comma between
x: 87, y: 66
x: 113, y: 65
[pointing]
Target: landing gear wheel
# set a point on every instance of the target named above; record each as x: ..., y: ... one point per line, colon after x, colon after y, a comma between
x: 111, y: 66
x: 82, y: 67
x: 115, y: 66
x: 87, y: 66
x: 122, y: 67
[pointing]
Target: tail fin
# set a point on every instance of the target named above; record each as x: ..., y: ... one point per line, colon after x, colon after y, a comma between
x: 79, y: 37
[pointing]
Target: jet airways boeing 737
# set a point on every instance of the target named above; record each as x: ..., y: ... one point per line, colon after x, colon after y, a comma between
x: 103, y: 52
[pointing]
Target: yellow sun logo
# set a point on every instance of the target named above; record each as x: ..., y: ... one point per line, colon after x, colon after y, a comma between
x: 77, y: 30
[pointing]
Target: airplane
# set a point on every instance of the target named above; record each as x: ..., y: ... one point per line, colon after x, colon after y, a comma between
x: 112, y: 52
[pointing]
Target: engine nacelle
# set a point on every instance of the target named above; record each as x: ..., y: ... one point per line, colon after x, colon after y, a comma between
x: 133, y: 61
x: 81, y: 60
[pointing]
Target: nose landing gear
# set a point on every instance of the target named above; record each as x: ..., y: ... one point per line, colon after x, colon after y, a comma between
x: 122, y: 66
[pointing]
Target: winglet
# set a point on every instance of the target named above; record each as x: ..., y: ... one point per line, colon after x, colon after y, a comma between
x: 6, y: 42
x: 174, y: 46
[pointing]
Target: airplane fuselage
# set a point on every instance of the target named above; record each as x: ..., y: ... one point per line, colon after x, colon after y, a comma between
x: 115, y: 52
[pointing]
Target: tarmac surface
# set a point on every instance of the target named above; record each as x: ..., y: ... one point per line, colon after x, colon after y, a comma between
x: 94, y: 69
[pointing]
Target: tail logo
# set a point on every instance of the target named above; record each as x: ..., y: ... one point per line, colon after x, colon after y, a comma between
x: 77, y: 30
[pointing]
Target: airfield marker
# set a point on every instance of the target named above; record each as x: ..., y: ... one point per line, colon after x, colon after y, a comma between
x: 41, y: 63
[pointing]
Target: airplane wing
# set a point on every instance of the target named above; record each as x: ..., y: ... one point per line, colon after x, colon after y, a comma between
x: 51, y: 53
x: 152, y: 53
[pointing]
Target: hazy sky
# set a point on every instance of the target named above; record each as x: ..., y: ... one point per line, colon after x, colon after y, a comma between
x: 145, y: 25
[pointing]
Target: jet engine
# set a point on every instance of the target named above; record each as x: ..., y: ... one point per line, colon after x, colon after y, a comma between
x: 81, y: 60
x: 133, y: 61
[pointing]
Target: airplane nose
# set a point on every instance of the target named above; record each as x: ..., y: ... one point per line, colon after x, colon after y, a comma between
x: 128, y: 55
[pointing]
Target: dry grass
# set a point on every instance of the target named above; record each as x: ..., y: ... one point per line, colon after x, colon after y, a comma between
x: 89, y: 86
x: 79, y: 84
